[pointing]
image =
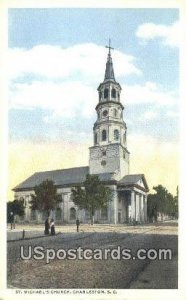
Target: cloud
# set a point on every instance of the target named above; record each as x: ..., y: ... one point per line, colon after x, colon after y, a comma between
x: 150, y: 92
x: 168, y: 34
x: 72, y: 99
x: 68, y: 99
x: 79, y: 61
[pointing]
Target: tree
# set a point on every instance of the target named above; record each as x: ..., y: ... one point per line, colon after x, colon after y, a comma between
x: 45, y: 197
x: 93, y: 196
x: 161, y: 202
x: 17, y: 207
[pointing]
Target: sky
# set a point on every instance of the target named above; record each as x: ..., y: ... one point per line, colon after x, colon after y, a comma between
x: 56, y: 61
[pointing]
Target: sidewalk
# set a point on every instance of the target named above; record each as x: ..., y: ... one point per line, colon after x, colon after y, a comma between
x: 34, y: 230
x: 17, y: 234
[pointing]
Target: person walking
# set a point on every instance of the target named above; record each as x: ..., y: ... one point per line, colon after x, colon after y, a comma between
x: 47, y: 226
x: 77, y: 224
x: 12, y: 223
x: 52, y: 227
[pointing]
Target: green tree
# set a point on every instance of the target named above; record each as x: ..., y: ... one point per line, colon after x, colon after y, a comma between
x: 45, y: 197
x: 17, y: 207
x: 93, y: 196
x: 161, y: 202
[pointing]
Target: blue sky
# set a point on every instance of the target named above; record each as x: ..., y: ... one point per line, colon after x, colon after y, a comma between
x: 57, y: 60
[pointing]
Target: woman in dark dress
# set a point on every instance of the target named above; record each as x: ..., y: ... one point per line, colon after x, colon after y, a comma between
x: 47, y: 226
x: 52, y: 227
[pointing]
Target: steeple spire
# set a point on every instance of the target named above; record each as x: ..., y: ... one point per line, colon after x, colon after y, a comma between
x: 109, y: 72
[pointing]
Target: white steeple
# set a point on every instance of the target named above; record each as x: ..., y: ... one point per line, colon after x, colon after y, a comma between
x: 109, y: 153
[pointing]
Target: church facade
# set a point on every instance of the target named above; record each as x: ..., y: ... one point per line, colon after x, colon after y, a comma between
x: 108, y: 158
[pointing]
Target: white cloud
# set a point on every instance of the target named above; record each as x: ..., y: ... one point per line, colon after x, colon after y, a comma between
x: 170, y: 35
x: 149, y: 115
x: 78, y: 61
x: 72, y: 99
x: 150, y: 92
x: 67, y: 99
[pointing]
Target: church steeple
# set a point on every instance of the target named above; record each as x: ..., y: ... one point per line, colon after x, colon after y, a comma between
x: 109, y: 153
x: 109, y: 72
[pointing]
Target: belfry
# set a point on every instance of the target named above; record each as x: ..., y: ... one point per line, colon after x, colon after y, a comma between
x: 109, y: 153
x: 108, y: 158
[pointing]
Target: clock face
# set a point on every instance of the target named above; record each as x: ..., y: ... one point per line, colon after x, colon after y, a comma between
x: 105, y: 113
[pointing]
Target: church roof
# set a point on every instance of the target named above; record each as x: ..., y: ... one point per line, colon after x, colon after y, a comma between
x: 133, y: 180
x: 63, y: 177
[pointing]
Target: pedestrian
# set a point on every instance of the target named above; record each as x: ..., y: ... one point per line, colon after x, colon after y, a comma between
x: 12, y: 224
x: 52, y: 227
x: 77, y: 224
x: 47, y: 226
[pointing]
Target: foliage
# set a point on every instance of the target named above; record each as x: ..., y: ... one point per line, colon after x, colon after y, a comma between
x: 45, y: 197
x: 161, y: 202
x: 17, y: 207
x: 93, y: 196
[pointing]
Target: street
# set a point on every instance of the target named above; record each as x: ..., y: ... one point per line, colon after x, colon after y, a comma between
x: 109, y: 273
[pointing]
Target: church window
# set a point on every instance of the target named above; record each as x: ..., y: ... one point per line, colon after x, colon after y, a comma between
x: 116, y: 135
x: 106, y: 91
x: 58, y: 213
x: 113, y: 93
x: 72, y: 213
x: 33, y: 215
x: 104, y: 213
x: 115, y: 112
x: 105, y: 113
x: 124, y: 137
x: 118, y: 96
x: 104, y: 135
x: 95, y: 138
x: 100, y: 95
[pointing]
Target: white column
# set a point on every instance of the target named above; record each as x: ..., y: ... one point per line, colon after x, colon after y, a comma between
x: 114, y: 206
x: 133, y: 206
x: 137, y: 207
x: 142, y: 208
x: 145, y: 208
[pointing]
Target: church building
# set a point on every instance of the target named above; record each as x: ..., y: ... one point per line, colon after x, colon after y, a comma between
x: 109, y: 158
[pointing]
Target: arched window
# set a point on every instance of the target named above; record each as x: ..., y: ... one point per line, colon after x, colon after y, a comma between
x: 113, y: 93
x: 95, y: 138
x: 106, y: 93
x: 33, y: 215
x: 124, y: 137
x: 115, y: 112
x: 118, y: 96
x: 116, y: 135
x: 104, y: 213
x: 72, y: 213
x: 104, y: 135
x: 100, y: 95
x: 58, y: 213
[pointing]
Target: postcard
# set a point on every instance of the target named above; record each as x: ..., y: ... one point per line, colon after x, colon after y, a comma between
x: 91, y: 135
